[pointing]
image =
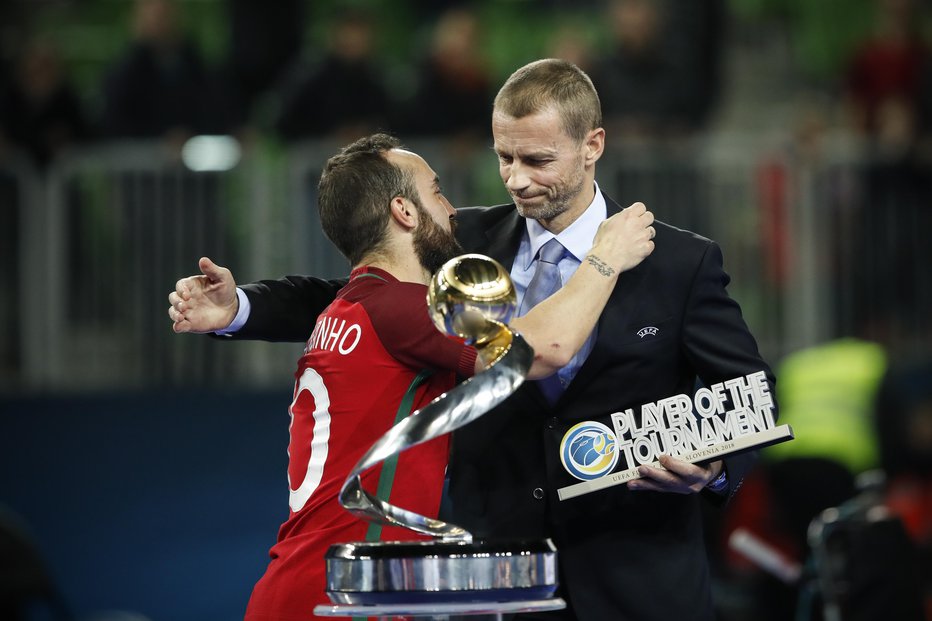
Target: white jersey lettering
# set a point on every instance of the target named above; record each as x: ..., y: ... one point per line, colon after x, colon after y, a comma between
x: 333, y: 334
x: 344, y: 349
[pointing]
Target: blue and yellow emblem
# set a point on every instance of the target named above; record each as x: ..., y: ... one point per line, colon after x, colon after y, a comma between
x: 588, y: 450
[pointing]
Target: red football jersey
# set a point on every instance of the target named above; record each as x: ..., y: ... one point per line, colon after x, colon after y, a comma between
x: 373, y: 358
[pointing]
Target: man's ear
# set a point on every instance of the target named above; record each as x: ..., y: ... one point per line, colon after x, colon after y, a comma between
x: 595, y: 145
x: 403, y: 212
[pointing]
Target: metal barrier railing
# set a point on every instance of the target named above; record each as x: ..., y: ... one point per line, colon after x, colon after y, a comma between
x: 21, y: 190
x: 102, y: 236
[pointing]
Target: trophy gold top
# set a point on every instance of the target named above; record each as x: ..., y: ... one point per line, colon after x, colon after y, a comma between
x: 472, y: 296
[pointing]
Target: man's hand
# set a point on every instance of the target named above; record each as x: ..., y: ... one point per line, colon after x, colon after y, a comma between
x: 677, y: 476
x: 624, y: 240
x: 204, y: 303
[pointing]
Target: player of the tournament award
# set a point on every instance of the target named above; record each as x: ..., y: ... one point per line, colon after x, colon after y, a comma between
x: 725, y: 418
x: 472, y: 297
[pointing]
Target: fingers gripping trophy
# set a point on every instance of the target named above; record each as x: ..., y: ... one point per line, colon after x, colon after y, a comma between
x: 472, y: 297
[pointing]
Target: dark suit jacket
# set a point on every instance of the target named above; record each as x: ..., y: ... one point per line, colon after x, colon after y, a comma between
x: 622, y: 554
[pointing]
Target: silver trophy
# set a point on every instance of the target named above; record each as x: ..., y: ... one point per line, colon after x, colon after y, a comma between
x: 472, y: 297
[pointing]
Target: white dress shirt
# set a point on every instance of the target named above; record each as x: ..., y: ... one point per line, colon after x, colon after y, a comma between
x: 577, y: 238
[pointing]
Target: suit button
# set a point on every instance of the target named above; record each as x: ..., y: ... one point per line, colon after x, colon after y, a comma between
x: 551, y: 422
x: 538, y: 493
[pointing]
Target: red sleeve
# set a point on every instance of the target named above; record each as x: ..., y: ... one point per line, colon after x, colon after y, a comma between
x: 399, y: 314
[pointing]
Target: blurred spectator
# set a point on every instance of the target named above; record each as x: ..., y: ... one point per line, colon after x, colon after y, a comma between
x: 660, y: 77
x: 162, y: 90
x: 40, y: 116
x: 265, y: 38
x: 827, y: 393
x: 884, y: 91
x: 883, y: 77
x: 636, y: 79
x: 161, y: 87
x: 697, y: 33
x: 40, y: 111
x: 453, y: 96
x: 344, y: 94
x: 656, y: 91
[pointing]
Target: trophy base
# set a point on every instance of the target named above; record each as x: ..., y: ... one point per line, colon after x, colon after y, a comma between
x: 431, y: 572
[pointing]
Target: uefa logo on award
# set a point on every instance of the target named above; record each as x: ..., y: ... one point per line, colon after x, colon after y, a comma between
x: 588, y: 450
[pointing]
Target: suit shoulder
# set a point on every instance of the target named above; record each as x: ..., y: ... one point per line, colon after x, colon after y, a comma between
x: 681, y: 236
x: 682, y: 249
x: 472, y: 222
x: 668, y: 233
x: 484, y: 216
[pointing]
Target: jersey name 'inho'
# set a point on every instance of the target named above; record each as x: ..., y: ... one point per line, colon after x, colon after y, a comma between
x: 332, y: 334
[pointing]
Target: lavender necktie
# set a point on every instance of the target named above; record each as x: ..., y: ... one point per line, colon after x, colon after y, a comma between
x: 545, y: 282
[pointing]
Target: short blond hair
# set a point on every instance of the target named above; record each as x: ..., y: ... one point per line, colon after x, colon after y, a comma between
x: 555, y: 83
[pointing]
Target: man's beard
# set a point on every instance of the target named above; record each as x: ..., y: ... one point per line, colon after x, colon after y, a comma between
x: 433, y: 245
x: 560, y: 201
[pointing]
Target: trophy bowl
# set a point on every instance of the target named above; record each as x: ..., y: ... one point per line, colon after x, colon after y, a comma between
x: 471, y: 297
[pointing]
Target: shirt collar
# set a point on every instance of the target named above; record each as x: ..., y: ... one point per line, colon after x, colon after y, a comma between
x: 369, y: 270
x: 577, y: 237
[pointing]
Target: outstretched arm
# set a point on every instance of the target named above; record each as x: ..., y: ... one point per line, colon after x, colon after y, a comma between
x: 208, y: 302
x: 286, y: 309
x: 557, y: 327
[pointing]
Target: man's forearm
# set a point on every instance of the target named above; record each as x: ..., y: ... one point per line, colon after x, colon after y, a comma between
x: 557, y: 327
x: 285, y: 310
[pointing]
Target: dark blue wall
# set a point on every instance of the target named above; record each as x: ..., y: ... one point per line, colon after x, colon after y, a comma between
x: 160, y: 503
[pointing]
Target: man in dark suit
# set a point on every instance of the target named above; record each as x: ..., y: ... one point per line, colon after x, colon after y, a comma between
x: 626, y: 552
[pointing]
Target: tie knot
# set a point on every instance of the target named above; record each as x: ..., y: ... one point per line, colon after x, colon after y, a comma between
x: 551, y: 252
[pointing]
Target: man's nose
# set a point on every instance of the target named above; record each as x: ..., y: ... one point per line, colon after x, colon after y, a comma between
x: 451, y: 210
x: 517, y: 179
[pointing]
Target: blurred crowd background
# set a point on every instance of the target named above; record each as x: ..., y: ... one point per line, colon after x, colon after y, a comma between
x: 142, y: 473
